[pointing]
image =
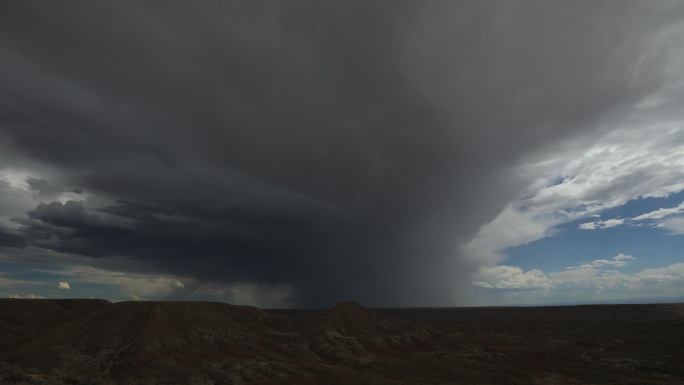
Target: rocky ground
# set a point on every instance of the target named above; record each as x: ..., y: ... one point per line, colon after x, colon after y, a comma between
x: 97, y: 342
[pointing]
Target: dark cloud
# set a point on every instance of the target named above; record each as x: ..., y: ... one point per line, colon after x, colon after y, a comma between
x: 10, y: 238
x: 43, y: 187
x: 343, y: 147
x: 231, y: 246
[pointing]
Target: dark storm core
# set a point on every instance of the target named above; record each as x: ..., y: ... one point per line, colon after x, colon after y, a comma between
x: 345, y: 148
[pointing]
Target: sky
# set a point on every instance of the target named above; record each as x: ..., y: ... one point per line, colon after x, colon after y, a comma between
x: 303, y: 153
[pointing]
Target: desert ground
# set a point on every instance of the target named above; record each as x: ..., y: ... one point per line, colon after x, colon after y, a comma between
x: 97, y: 342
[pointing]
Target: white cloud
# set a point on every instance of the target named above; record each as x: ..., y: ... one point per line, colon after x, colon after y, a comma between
x: 588, y: 226
x: 512, y: 227
x: 136, y: 298
x: 623, y: 257
x: 27, y: 296
x: 581, y: 178
x: 660, y: 213
x: 510, y: 277
x: 612, y: 222
x: 583, y: 283
x: 617, y: 261
x: 63, y: 286
x: 670, y: 223
x: 674, y: 225
x: 671, y: 273
x: 601, y: 224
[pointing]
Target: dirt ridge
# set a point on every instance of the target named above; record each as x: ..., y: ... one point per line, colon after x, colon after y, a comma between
x: 212, y: 342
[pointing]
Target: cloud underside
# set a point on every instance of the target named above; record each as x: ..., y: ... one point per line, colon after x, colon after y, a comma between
x: 308, y: 154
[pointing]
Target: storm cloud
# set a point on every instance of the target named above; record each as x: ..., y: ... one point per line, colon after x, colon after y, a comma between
x: 345, y: 148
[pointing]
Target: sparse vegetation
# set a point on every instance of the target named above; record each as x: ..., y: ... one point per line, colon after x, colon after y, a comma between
x: 214, y: 343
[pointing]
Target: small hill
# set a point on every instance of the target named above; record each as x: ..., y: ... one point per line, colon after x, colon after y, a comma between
x: 351, y: 334
x: 21, y: 317
x: 161, y: 339
x: 174, y: 341
x: 60, y: 342
x: 352, y: 319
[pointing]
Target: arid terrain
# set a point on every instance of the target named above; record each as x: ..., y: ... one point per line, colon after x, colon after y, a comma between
x: 98, y: 342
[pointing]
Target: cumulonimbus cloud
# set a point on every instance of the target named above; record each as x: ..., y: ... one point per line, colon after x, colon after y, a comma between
x: 342, y: 151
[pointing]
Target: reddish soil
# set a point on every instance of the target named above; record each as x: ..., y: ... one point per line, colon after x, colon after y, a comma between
x: 95, y: 342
